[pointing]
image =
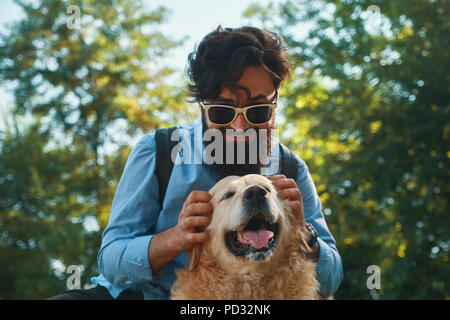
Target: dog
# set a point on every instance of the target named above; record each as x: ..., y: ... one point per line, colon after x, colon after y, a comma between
x: 254, y: 250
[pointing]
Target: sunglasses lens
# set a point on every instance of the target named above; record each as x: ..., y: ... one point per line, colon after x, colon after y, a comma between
x: 220, y: 115
x: 260, y: 114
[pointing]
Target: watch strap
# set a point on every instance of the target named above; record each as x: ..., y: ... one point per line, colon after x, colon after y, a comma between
x: 314, y: 234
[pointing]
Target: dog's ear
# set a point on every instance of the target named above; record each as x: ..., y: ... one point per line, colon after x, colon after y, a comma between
x: 195, y: 255
x: 301, y: 232
x: 303, y: 243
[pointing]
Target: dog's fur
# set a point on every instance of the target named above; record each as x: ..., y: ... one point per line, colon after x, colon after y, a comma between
x: 215, y: 273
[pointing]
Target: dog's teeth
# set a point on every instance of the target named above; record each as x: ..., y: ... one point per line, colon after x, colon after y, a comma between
x: 241, y: 238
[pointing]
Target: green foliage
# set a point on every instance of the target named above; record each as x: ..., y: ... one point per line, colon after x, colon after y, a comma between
x: 88, y: 92
x: 42, y: 213
x: 368, y: 109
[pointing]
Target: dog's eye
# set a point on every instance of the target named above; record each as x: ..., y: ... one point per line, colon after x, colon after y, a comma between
x: 267, y: 189
x: 228, y: 195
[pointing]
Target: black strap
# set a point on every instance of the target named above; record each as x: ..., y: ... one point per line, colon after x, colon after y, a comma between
x: 164, y: 163
x: 289, y: 162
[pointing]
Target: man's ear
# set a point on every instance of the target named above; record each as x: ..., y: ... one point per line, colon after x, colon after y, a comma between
x: 195, y: 255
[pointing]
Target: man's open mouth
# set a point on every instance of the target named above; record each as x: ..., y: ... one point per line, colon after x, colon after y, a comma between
x: 255, y: 241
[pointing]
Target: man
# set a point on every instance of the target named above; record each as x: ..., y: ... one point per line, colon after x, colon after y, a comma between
x: 147, y: 237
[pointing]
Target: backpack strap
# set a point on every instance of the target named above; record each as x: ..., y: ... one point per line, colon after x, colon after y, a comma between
x: 289, y: 162
x: 164, y: 163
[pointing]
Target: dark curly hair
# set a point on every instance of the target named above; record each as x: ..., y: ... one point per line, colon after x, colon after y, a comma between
x: 222, y: 56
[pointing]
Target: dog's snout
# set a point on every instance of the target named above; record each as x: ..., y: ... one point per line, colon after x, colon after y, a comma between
x: 254, y: 194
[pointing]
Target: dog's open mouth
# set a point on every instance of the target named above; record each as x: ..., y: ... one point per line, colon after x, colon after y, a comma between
x: 255, y: 241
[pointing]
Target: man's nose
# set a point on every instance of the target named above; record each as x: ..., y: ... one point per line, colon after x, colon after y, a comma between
x: 240, y: 123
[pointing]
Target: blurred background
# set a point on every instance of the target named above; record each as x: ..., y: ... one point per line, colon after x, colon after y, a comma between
x: 367, y: 108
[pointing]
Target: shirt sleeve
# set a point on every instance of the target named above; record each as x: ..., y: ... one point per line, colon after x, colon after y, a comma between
x: 329, y: 264
x: 123, y: 256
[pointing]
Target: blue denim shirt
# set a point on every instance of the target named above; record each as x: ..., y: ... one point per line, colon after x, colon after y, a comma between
x: 136, y: 215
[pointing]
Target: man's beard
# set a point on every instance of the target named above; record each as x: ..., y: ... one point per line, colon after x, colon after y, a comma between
x: 249, y: 166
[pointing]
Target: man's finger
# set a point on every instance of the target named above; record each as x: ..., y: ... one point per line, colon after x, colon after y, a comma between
x: 292, y: 194
x: 193, y: 222
x: 197, y: 196
x: 198, y: 237
x: 283, y: 183
x: 277, y: 177
x: 198, y: 208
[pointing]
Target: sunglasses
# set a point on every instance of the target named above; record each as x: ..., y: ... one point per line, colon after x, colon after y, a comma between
x: 257, y: 114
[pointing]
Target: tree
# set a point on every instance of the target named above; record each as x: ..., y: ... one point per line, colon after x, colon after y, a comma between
x: 42, y: 214
x: 90, y: 87
x: 368, y: 108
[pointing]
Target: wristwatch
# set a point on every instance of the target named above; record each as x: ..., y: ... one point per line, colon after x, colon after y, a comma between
x: 314, y: 234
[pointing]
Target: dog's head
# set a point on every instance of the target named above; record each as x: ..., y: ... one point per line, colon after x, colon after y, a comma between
x: 248, y: 220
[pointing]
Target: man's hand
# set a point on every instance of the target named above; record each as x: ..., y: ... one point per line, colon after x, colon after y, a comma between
x: 195, y: 216
x: 288, y: 190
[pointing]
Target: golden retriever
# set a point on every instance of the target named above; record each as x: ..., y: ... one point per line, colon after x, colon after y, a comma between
x: 254, y: 250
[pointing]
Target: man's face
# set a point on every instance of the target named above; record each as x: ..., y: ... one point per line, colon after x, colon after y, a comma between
x: 260, y: 90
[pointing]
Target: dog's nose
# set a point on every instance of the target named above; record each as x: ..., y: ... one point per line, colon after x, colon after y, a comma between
x: 254, y: 194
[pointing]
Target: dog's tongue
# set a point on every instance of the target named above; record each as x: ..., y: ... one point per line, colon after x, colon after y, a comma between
x: 257, y: 239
